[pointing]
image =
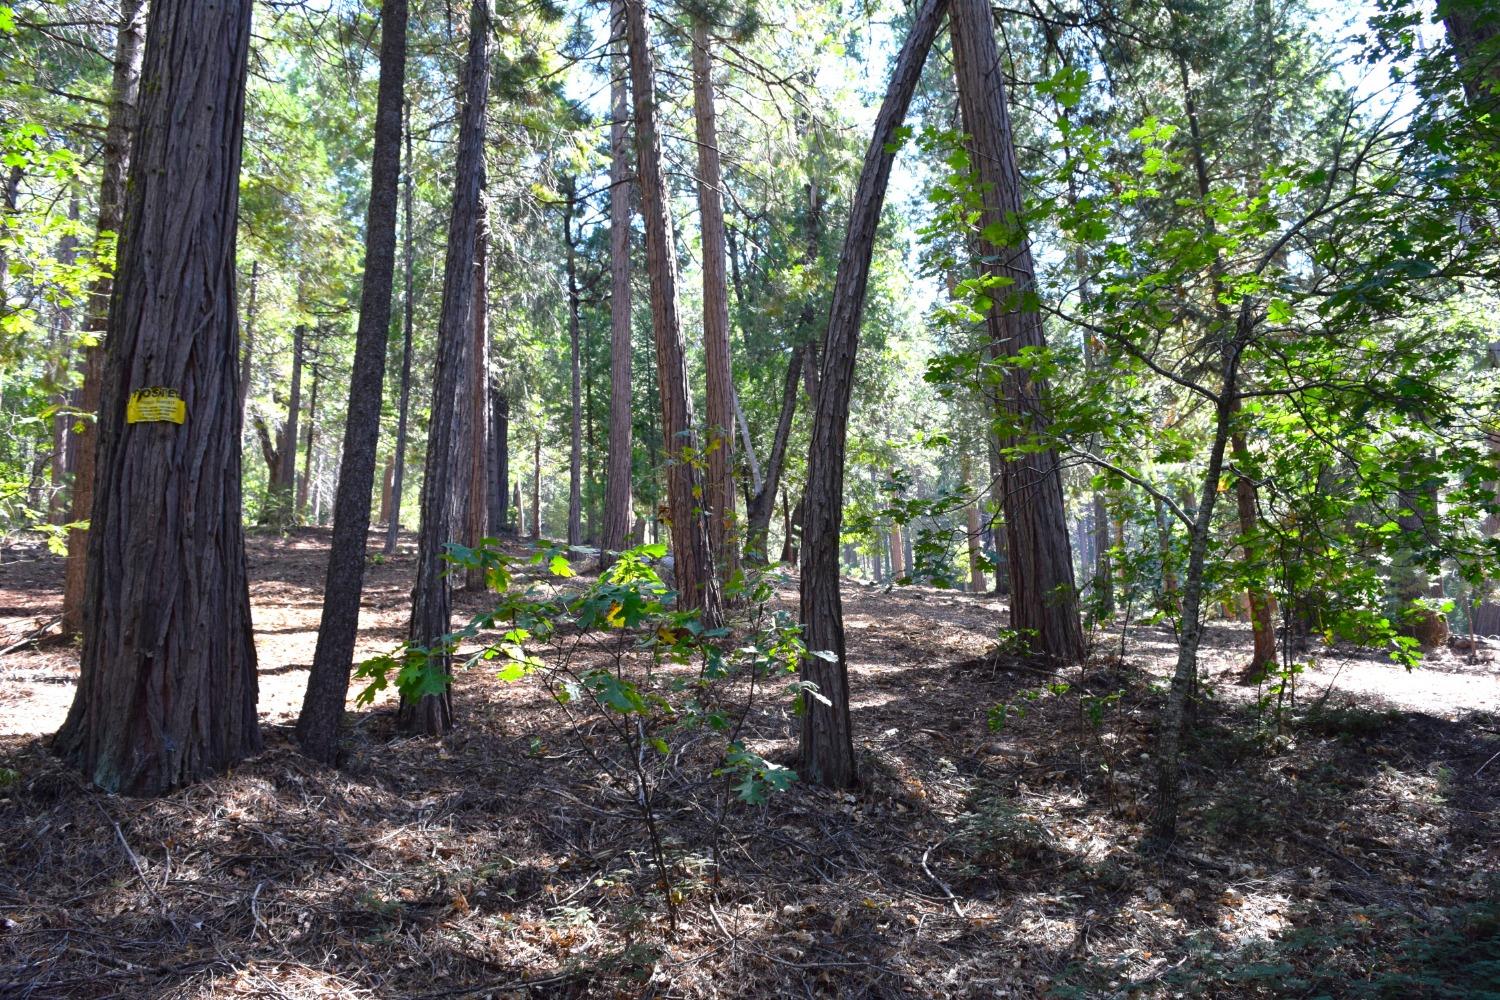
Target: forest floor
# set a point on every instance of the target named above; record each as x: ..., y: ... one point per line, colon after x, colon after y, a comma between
x: 1349, y: 847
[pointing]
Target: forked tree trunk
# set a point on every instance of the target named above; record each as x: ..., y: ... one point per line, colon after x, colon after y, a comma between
x: 167, y: 685
x: 827, y: 748
x: 328, y: 683
x: 617, y: 501
x: 398, y: 481
x: 697, y: 586
x: 118, y: 135
x: 575, y: 381
x: 430, y: 615
x: 719, y: 475
x: 1044, y: 600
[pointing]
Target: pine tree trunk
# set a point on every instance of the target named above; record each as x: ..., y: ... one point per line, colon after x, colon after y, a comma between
x: 697, y: 585
x: 827, y: 745
x: 617, y: 499
x: 1044, y: 600
x: 167, y: 683
x: 328, y: 683
x: 398, y: 482
x: 500, y: 449
x: 130, y: 40
x: 719, y: 486
x: 478, y: 402
x: 430, y: 617
x: 575, y: 382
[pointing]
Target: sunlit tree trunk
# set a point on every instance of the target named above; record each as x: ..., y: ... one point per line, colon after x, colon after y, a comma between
x: 328, y: 682
x: 167, y: 683
x: 617, y: 502
x: 1044, y: 600
x: 697, y: 586
x: 430, y: 617
x: 575, y: 380
x: 827, y: 746
x: 476, y: 465
x: 398, y: 478
x: 119, y: 131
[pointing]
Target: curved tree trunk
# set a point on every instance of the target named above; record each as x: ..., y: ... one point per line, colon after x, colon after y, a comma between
x: 697, y: 586
x: 827, y: 750
x: 328, y: 683
x: 617, y: 503
x: 118, y: 135
x: 719, y: 476
x: 1044, y: 599
x: 430, y: 614
x: 167, y: 683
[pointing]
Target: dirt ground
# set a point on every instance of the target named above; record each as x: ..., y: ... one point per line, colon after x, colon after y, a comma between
x: 1347, y: 848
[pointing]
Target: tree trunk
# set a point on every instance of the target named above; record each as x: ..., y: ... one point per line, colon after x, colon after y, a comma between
x: 124, y: 89
x: 827, y: 746
x: 719, y: 476
x: 398, y: 482
x: 617, y: 502
x: 246, y: 360
x: 697, y: 585
x: 974, y: 537
x: 500, y: 449
x: 520, y: 511
x: 328, y: 683
x: 167, y: 683
x: 430, y: 617
x: 1044, y: 600
x: 536, y: 486
x: 478, y: 510
x: 304, y: 485
x: 575, y: 383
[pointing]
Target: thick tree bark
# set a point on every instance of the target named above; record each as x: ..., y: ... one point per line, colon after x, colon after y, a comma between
x: 398, y: 480
x: 719, y: 475
x: 430, y: 617
x: 328, y: 683
x: 167, y: 682
x: 697, y: 585
x: 1044, y: 600
x: 575, y: 381
x: 827, y: 750
x: 130, y: 40
x: 617, y: 498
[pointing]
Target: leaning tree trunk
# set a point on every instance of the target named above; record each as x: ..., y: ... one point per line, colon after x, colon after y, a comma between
x: 430, y: 615
x: 697, y: 586
x: 827, y: 751
x: 167, y: 685
x: 617, y: 503
x: 398, y: 478
x: 719, y: 475
x: 118, y: 133
x: 1044, y: 600
x: 328, y: 684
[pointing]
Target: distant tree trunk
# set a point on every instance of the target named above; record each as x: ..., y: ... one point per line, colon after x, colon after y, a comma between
x: 975, y: 534
x: 479, y: 417
x: 57, y: 500
x: 10, y: 194
x: 827, y: 745
x: 430, y: 617
x: 575, y: 382
x: 304, y: 485
x: 591, y: 446
x: 536, y: 486
x: 167, y: 685
x: 1164, y: 552
x: 898, y: 552
x: 500, y: 449
x: 328, y: 683
x: 282, y: 480
x: 697, y: 586
x: 124, y: 89
x: 398, y: 482
x: 520, y: 511
x: 617, y: 502
x: 719, y: 478
x: 248, y: 356
x: 1044, y: 600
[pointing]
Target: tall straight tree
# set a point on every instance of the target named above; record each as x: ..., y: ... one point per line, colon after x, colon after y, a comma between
x: 617, y: 503
x: 827, y: 751
x: 575, y: 368
x: 719, y: 481
x: 119, y: 133
x: 167, y: 686
x: 475, y: 463
x: 430, y: 613
x: 697, y: 586
x: 328, y: 684
x: 1043, y: 598
x: 398, y: 475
